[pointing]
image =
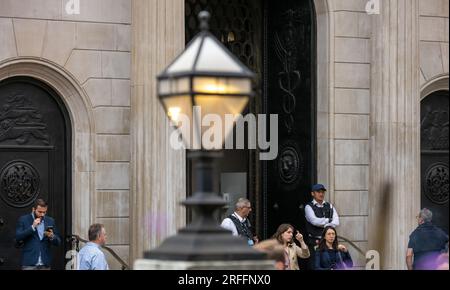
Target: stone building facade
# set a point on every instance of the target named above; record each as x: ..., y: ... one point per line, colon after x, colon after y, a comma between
x: 372, y: 73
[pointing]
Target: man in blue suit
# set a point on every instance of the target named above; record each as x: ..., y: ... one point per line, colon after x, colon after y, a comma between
x: 37, y: 233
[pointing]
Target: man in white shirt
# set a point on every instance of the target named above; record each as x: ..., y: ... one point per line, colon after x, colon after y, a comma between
x: 238, y: 222
x: 319, y: 215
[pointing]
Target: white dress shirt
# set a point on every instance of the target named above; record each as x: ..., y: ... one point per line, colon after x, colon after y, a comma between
x: 321, y: 222
x: 40, y: 228
x: 229, y: 225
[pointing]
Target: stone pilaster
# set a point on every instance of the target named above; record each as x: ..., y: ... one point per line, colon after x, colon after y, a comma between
x: 158, y: 172
x: 395, y: 130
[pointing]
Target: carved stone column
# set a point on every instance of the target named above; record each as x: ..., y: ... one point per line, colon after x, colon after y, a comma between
x: 395, y: 130
x: 158, y: 172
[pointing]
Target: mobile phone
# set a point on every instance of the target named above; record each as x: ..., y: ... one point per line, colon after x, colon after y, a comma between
x: 49, y: 228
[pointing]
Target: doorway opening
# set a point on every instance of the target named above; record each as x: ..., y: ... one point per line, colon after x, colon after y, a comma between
x: 35, y: 162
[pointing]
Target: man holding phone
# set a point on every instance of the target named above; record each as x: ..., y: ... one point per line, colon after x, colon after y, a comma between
x: 37, y: 233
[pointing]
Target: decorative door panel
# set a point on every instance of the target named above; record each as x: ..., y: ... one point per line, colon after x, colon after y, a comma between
x: 34, y: 162
x: 290, y: 93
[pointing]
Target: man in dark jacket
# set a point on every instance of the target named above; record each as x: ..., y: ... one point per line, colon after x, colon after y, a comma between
x: 425, y: 244
x: 37, y: 233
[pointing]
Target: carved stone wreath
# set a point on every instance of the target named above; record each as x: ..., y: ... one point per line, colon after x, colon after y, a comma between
x: 437, y: 187
x: 19, y: 184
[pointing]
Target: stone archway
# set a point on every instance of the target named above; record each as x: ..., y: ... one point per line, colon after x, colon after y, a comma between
x: 77, y: 104
x: 438, y: 83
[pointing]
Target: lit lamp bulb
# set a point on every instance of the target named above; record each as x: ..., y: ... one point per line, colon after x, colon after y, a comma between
x: 210, y: 85
x: 214, y: 89
x: 174, y: 114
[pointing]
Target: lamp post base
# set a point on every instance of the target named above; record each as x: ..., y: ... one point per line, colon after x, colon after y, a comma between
x: 204, y: 243
x: 208, y: 243
x: 204, y: 266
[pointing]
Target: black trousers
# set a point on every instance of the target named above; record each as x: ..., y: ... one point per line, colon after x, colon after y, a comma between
x: 312, y: 244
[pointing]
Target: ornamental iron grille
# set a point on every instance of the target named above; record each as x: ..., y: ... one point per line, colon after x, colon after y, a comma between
x: 237, y: 24
x: 232, y: 22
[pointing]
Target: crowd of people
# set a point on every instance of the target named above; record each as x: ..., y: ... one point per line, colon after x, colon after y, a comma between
x: 427, y: 248
x: 36, y: 233
x: 321, y: 246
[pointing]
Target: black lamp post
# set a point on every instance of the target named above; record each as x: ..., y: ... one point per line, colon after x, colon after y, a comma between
x: 208, y: 76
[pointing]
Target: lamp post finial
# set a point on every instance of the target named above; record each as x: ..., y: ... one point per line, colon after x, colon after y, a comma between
x: 204, y: 18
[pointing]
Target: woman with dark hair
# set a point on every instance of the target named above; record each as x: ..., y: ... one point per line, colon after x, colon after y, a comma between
x: 330, y: 255
x: 285, y: 236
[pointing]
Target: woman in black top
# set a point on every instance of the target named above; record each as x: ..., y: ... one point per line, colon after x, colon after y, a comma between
x: 330, y: 255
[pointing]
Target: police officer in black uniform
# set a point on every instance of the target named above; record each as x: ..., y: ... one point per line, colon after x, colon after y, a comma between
x: 319, y: 215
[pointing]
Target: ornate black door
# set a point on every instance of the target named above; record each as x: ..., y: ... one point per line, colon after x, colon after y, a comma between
x: 276, y: 39
x: 34, y: 161
x: 435, y: 154
x: 290, y: 93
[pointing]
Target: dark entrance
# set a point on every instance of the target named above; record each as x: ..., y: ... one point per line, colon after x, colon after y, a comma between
x: 435, y: 154
x: 35, y: 138
x: 290, y: 92
x: 238, y: 25
x: 276, y: 39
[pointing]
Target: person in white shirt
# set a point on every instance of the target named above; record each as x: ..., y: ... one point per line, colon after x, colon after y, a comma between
x: 238, y: 222
x: 91, y: 256
x: 319, y: 215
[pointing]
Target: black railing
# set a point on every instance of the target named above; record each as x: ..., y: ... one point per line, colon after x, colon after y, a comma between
x: 75, y: 241
x: 358, y: 249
